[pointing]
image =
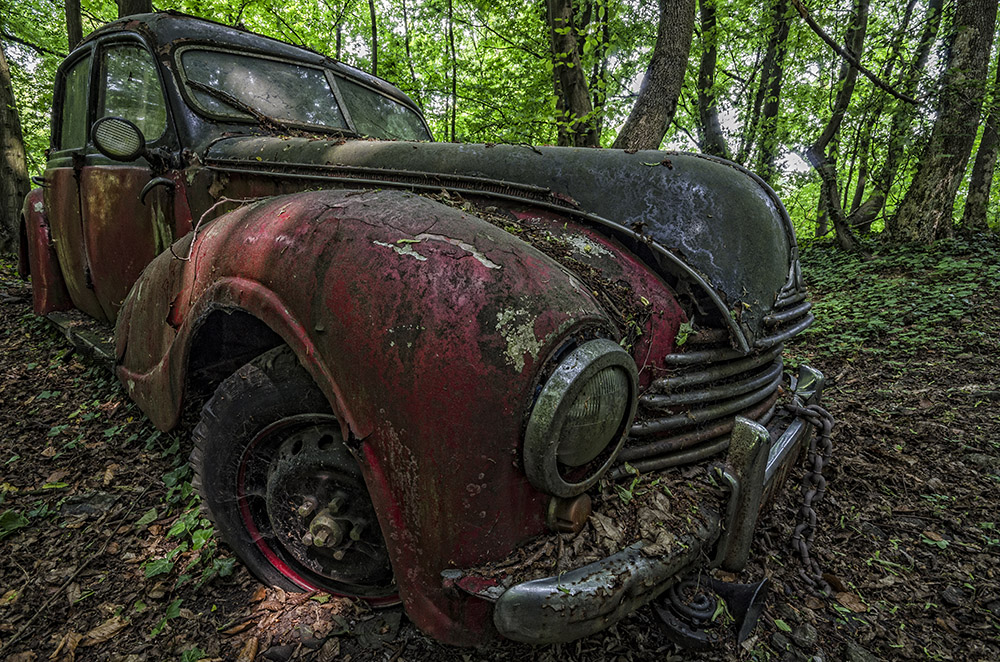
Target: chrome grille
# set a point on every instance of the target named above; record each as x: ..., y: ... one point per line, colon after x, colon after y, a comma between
x: 687, y: 415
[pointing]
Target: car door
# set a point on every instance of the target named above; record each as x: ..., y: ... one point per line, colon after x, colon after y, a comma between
x: 123, y: 233
x: 67, y: 155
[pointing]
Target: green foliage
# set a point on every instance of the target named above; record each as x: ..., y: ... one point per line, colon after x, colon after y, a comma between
x: 912, y: 298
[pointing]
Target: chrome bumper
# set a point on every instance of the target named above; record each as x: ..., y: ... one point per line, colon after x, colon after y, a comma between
x: 579, y: 603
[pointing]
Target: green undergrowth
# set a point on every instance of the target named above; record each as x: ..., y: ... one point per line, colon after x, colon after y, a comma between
x: 905, y: 299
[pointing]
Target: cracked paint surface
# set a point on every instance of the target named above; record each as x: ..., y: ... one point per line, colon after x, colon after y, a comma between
x: 405, y: 249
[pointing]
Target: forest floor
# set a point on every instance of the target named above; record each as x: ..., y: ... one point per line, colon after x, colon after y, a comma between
x: 103, y: 555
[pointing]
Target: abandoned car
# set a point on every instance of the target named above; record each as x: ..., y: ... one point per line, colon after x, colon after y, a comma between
x: 522, y: 390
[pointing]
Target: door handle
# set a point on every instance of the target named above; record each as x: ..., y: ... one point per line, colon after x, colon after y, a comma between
x: 151, y: 184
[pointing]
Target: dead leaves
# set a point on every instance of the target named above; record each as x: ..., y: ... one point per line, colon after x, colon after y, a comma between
x: 66, y: 649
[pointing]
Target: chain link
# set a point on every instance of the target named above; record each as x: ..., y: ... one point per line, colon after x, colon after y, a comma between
x: 813, y: 489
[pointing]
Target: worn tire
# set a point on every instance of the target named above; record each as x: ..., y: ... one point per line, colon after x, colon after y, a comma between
x: 266, y: 444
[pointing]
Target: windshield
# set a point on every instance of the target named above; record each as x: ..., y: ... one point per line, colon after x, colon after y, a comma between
x: 283, y: 91
x: 256, y: 88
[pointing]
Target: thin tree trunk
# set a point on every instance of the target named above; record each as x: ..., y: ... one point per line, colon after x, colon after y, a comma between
x: 130, y: 7
x: 977, y: 201
x: 899, y: 132
x: 13, y: 165
x: 926, y: 211
x: 821, y: 159
x: 454, y: 67
x: 771, y: 76
x: 661, y: 86
x: 599, y: 76
x: 371, y: 11
x: 713, y: 141
x: 74, y: 24
x: 409, y: 57
x: 577, y: 123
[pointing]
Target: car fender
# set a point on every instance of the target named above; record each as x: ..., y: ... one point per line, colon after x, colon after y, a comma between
x: 37, y: 257
x: 427, y: 328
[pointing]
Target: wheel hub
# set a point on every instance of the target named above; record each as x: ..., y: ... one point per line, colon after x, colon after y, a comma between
x: 319, y: 510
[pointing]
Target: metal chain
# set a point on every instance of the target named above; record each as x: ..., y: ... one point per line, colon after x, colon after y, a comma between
x: 813, y: 489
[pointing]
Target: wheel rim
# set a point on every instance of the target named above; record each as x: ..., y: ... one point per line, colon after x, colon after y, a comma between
x: 304, y: 502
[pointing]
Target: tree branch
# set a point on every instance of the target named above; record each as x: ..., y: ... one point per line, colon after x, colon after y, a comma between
x: 34, y: 47
x: 876, y: 81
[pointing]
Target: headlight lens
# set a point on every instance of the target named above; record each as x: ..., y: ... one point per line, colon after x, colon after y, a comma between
x: 583, y: 410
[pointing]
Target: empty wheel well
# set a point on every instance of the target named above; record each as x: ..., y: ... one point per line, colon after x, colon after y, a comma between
x: 225, y: 340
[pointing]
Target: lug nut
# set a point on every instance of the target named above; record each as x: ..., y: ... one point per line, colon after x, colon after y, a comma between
x: 307, y: 539
x: 308, y: 505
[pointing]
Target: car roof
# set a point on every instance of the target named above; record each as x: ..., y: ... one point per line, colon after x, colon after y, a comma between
x: 170, y: 29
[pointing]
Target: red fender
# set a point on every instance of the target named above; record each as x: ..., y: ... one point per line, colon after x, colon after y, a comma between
x: 37, y: 257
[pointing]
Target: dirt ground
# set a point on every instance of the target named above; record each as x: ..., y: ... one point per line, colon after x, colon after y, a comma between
x: 103, y: 555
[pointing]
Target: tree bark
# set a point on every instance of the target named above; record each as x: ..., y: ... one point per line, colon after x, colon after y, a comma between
x: 713, y: 141
x: 769, y: 93
x: 661, y: 86
x: 577, y: 125
x: 130, y: 7
x: 977, y: 201
x: 454, y: 67
x: 371, y: 11
x: 819, y: 157
x: 926, y: 211
x: 74, y: 24
x: 13, y: 164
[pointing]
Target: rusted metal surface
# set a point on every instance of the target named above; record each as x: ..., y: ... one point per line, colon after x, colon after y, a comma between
x: 48, y: 289
x: 415, y: 319
x: 711, y: 213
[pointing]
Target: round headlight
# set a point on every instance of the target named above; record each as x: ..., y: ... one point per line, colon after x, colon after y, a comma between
x: 583, y: 411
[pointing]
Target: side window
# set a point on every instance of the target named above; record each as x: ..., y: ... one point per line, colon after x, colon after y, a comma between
x: 73, y: 127
x: 131, y: 89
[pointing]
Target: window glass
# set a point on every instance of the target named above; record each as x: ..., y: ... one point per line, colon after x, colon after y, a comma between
x: 279, y: 90
x: 379, y: 116
x: 73, y: 129
x: 132, y: 89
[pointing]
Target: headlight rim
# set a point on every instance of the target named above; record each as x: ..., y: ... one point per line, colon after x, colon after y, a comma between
x: 551, y: 407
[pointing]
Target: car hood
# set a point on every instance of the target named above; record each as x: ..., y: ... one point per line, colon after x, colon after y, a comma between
x: 713, y: 217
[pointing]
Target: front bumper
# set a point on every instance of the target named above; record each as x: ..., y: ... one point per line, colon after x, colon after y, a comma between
x: 589, y: 599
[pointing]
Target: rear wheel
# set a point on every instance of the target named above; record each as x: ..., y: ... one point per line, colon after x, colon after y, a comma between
x: 282, y: 487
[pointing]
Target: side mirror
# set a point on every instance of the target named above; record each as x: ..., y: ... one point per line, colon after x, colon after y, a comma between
x: 118, y: 139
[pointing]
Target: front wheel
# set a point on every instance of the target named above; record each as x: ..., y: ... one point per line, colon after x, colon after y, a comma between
x: 282, y: 487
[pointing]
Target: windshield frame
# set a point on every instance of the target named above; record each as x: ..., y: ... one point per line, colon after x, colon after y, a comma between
x: 331, y: 73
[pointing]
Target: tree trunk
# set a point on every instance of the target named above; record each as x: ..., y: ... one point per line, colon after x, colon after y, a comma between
x: 454, y: 67
x: 926, y: 211
x: 769, y: 93
x: 129, y: 7
x: 902, y: 118
x: 415, y: 90
x: 819, y: 157
x: 577, y: 125
x: 976, y: 203
x: 74, y: 24
x: 371, y: 11
x: 13, y: 165
x: 713, y: 141
x: 661, y: 86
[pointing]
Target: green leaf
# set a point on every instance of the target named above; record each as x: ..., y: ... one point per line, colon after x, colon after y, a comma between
x: 783, y: 626
x: 10, y: 521
x: 150, y: 516
x: 158, y: 567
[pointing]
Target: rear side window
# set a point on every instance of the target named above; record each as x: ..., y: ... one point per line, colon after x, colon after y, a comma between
x: 132, y: 89
x: 73, y: 126
x: 379, y: 116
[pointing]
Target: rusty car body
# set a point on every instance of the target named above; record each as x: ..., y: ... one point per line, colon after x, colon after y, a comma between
x: 421, y: 356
